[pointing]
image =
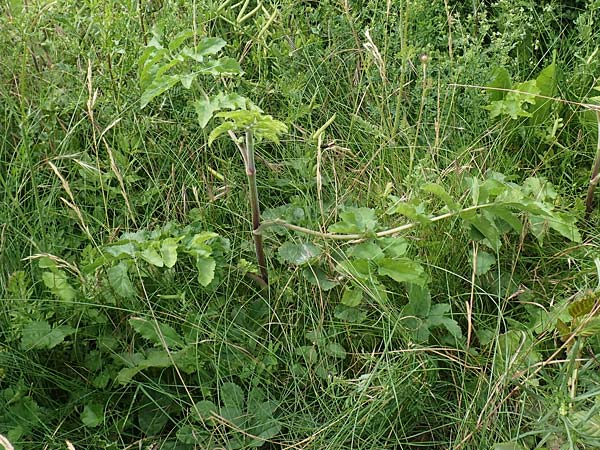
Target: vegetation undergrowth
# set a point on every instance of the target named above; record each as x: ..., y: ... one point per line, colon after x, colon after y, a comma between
x: 405, y: 255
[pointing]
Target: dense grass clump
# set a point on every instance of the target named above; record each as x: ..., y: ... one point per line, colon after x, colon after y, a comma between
x: 316, y: 224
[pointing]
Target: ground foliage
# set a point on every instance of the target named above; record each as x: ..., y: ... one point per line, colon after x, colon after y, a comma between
x: 422, y: 169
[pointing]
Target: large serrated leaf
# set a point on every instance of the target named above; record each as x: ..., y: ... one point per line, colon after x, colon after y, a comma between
x: 40, y: 335
x: 355, y: 220
x: 298, y: 253
x: 155, y: 332
x: 118, y: 278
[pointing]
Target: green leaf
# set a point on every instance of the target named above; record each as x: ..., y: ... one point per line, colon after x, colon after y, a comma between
x: 155, y: 332
x: 352, y: 297
x: 336, y: 350
x: 206, y: 270
x: 219, y: 131
x: 366, y: 250
x: 416, y: 213
x: 358, y: 269
x: 507, y: 216
x: 547, y: 82
x: 39, y: 335
x: 438, y: 317
x: 587, y: 424
x: 118, y: 278
x: 402, y: 270
x: 151, y: 256
x: 209, y: 46
x: 157, y: 88
x: 298, y: 254
x: 355, y: 220
x: 419, y: 301
x: 500, y: 79
x: 440, y: 192
x: 512, y: 104
x: 349, y: 314
x: 205, y: 109
x: 180, y: 39
x: 92, y: 415
x: 168, y: 251
x: 487, y: 230
x: 484, y: 262
x: 232, y: 395
x: 204, y: 411
x: 318, y: 277
x: 565, y: 224
x: 57, y: 282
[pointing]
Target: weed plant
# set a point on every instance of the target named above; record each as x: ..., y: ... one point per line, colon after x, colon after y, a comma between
x: 127, y: 316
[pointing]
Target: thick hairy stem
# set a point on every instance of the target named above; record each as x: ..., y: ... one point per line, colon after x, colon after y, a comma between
x: 595, y: 178
x: 255, y: 207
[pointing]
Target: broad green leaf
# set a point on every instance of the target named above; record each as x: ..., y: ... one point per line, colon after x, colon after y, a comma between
x: 547, y: 82
x: 209, y: 46
x: 487, y: 229
x: 565, y: 224
x: 189, y: 435
x: 500, y: 80
x: 507, y: 216
x: 219, y: 131
x: 355, y: 220
x: 394, y: 247
x: 349, y: 314
x: 402, y: 270
x: 156, y: 332
x: 512, y: 104
x: 221, y: 66
x: 151, y: 256
x: 187, y: 80
x: 204, y: 411
x: 416, y: 213
x: 118, y: 278
x: 438, y: 317
x: 318, y: 277
x: 92, y: 415
x: 336, y: 350
x: 168, y: 251
x: 352, y: 297
x: 355, y: 268
x: 484, y: 262
x: 205, y: 109
x: 46, y: 263
x: 587, y: 424
x: 180, y: 38
x: 232, y: 395
x: 419, y: 301
x: 40, y: 335
x: 440, y: 192
x: 366, y: 250
x: 309, y: 353
x: 120, y: 250
x: 157, y: 88
x: 269, y: 430
x: 298, y: 253
x: 206, y: 270
x: 57, y: 282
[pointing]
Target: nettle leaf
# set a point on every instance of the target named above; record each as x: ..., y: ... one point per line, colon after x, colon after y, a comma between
x: 155, y: 332
x: 40, y: 335
x: 352, y: 297
x: 402, y: 270
x: 355, y: 220
x: 206, y: 270
x: 118, y: 278
x: 57, y: 282
x: 92, y: 415
x: 298, y: 254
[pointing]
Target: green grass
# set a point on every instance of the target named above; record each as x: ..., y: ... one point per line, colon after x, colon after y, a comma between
x: 81, y: 164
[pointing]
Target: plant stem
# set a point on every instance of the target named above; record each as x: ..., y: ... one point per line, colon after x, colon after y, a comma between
x: 362, y: 237
x: 255, y: 207
x: 595, y: 178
